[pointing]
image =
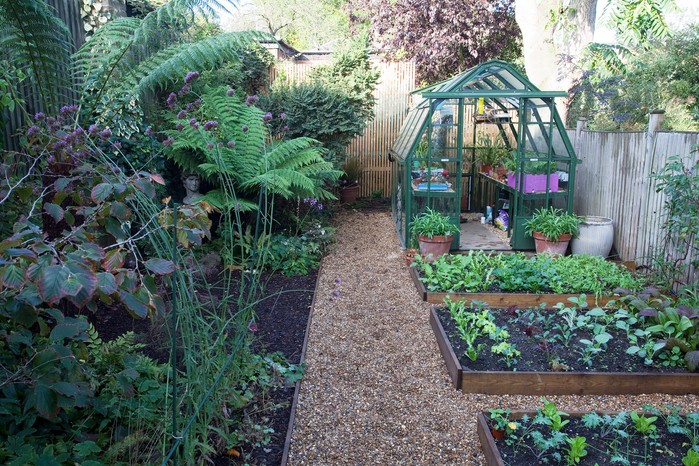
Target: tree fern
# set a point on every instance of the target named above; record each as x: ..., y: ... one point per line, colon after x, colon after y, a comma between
x: 39, y: 44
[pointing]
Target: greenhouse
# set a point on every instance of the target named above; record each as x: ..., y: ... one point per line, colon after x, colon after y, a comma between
x: 488, y: 141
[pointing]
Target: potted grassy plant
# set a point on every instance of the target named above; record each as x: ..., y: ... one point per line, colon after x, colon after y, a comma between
x: 434, y: 233
x: 552, y: 229
x: 349, y: 181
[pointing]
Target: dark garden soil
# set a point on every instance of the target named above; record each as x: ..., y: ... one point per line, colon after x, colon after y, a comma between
x: 665, y: 449
x: 541, y: 351
x: 280, y: 326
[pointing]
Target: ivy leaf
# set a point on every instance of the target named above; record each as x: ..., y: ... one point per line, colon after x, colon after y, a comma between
x: 55, y: 211
x: 51, y: 282
x: 160, y: 266
x: 12, y: 277
x: 101, y: 192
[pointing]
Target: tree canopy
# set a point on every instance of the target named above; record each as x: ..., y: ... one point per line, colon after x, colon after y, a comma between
x: 443, y: 37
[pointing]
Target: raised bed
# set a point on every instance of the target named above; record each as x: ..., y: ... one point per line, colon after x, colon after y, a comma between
x: 493, y: 456
x: 502, y: 299
x: 557, y: 383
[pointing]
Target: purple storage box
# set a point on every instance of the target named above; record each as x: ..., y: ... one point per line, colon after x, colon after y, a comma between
x: 535, y: 183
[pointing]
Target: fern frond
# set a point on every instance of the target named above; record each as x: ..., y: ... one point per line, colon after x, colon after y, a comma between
x: 105, y: 47
x: 39, y: 43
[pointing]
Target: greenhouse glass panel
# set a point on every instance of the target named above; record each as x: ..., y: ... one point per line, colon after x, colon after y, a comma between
x: 487, y: 137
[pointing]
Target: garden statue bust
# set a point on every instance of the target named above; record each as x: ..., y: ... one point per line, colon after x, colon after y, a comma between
x: 191, y: 185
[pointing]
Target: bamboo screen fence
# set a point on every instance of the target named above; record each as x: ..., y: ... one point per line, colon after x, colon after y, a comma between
x: 614, y: 180
x: 392, y: 95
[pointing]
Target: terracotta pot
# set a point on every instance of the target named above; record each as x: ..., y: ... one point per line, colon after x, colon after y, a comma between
x: 498, y: 434
x: 410, y: 256
x: 349, y: 194
x: 432, y: 248
x: 556, y: 248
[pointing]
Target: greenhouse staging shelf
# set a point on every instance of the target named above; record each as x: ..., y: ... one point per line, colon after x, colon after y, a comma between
x: 557, y: 383
x: 501, y: 299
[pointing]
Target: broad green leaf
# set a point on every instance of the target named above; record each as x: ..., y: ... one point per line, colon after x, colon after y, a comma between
x: 106, y: 283
x: 62, y: 331
x: 51, y: 282
x: 92, y: 251
x: 120, y: 210
x: 45, y: 401
x: 71, y: 286
x: 21, y: 252
x: 113, y: 260
x: 55, y: 211
x: 160, y: 266
x: 87, y: 278
x: 134, y: 306
x: 113, y: 227
x: 61, y: 183
x: 101, y: 192
x: 144, y: 185
x: 12, y: 276
x: 87, y: 448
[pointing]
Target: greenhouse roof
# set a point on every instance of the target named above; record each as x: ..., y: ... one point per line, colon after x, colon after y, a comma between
x: 497, y: 81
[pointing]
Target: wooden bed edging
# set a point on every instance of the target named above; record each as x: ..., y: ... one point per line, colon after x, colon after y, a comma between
x: 297, y: 387
x: 558, y: 383
x: 522, y: 300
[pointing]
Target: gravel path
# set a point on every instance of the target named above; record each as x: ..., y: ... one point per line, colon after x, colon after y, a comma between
x: 376, y: 389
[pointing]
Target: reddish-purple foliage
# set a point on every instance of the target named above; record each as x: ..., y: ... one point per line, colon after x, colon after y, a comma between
x: 443, y: 37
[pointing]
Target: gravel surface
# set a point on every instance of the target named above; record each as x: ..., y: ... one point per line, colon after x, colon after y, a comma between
x: 376, y: 389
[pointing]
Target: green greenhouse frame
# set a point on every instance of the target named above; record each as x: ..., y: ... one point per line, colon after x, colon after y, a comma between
x: 490, y: 113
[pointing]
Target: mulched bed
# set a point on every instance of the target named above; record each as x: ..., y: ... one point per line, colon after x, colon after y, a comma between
x: 537, y: 352
x: 281, y: 326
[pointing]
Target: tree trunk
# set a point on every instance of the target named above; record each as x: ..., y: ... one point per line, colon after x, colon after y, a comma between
x: 552, y: 48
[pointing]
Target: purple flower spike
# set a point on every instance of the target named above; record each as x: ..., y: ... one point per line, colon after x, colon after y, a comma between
x: 149, y: 131
x: 211, y: 124
x: 282, y: 116
x: 245, y: 128
x: 193, y: 123
x: 93, y: 130
x: 171, y: 100
x: 182, y: 114
x: 33, y: 131
x: 251, y: 99
x: 267, y: 117
x: 336, y: 293
x: 39, y: 116
x: 179, y: 126
x: 230, y: 92
x: 168, y: 142
x: 210, y: 145
x: 106, y: 133
x: 285, y: 128
x: 191, y: 76
x: 185, y: 89
x: 320, y: 206
x: 231, y: 144
x: 67, y: 109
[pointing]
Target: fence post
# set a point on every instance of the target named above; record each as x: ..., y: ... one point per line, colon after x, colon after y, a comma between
x: 643, y: 249
x: 579, y: 128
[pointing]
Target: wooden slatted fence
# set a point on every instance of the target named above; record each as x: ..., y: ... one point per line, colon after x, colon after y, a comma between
x: 614, y: 180
x: 392, y: 95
